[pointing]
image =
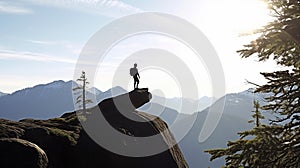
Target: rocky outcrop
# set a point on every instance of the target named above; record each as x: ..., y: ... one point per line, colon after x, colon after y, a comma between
x: 67, y: 144
x: 21, y: 153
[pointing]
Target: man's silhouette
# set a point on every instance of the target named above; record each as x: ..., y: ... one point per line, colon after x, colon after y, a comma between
x: 135, y: 74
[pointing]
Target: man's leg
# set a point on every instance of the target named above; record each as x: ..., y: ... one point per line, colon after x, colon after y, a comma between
x: 137, y: 83
x: 134, y: 85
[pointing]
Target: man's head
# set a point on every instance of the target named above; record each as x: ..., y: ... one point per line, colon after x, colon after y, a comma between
x: 135, y: 65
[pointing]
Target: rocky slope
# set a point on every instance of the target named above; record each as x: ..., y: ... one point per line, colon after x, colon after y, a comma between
x: 62, y: 142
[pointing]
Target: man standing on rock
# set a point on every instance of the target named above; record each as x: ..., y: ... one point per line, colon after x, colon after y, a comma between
x: 135, y: 74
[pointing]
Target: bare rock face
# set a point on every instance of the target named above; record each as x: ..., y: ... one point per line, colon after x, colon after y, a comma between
x: 67, y: 144
x: 120, y: 113
x: 126, y: 102
x: 21, y: 153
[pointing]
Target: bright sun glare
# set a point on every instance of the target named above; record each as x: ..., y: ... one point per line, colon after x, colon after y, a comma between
x: 242, y: 15
x: 224, y: 20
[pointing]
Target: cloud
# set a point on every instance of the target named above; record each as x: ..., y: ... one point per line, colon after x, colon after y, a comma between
x: 73, y: 48
x: 47, y: 58
x: 110, y: 8
x: 13, y: 8
x: 17, y: 55
x: 41, y: 42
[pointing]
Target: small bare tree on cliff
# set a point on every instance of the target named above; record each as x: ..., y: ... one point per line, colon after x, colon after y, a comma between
x: 82, y: 87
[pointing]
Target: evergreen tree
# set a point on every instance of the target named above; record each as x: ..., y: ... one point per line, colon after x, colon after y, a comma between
x: 277, y: 144
x: 257, y: 115
x: 81, y: 99
x: 249, y: 150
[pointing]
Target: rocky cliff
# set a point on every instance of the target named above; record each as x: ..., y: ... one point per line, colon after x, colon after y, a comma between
x: 63, y: 143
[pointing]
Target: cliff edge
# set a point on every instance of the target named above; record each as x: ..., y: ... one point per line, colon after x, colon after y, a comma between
x: 66, y: 144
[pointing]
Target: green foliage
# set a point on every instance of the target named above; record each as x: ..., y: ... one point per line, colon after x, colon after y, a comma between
x: 279, y: 39
x: 74, y: 120
x: 257, y: 116
x: 57, y: 119
x: 277, y: 144
x: 82, y: 118
x: 62, y: 133
x: 260, y: 151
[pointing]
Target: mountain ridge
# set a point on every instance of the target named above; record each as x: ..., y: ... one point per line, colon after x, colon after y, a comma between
x: 57, y: 92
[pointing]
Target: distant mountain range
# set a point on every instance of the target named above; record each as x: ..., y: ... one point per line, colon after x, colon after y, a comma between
x: 46, y: 101
x: 54, y: 99
x: 41, y: 101
x: 189, y: 104
x: 235, y: 117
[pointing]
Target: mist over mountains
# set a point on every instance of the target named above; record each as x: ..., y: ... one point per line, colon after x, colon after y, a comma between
x: 235, y: 117
x: 190, y: 105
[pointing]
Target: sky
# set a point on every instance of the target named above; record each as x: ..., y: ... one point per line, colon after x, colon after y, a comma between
x: 41, y: 41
